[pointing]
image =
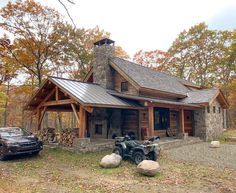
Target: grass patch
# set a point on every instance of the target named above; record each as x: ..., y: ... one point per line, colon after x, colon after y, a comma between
x: 58, y: 170
x: 226, y: 134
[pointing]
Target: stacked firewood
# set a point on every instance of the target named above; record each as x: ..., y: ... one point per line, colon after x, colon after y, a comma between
x: 48, y: 135
x: 67, y: 136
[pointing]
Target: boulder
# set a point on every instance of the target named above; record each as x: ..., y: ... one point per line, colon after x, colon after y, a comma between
x: 148, y: 168
x: 215, y: 144
x: 111, y: 161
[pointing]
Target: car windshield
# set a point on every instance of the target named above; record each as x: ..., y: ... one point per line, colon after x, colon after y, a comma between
x: 12, y: 132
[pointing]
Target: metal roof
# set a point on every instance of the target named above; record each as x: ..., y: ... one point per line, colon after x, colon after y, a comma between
x: 141, y: 98
x: 89, y: 94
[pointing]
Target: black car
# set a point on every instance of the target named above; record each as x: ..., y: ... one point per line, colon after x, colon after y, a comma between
x: 15, y: 141
x: 126, y: 147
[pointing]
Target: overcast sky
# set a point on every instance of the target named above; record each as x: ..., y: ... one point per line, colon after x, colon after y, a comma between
x: 148, y: 24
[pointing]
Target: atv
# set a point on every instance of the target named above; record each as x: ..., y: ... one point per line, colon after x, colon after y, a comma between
x: 127, y: 148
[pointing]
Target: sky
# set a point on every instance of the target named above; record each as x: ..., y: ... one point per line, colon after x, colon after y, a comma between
x: 147, y: 24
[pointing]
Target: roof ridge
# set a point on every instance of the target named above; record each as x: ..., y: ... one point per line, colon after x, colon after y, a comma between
x: 213, y: 88
x: 72, y: 80
x: 156, y: 70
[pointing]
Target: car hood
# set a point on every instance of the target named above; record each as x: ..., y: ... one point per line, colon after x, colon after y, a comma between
x: 20, y: 139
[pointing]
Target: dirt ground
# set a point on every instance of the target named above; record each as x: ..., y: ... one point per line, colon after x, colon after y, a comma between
x: 56, y: 170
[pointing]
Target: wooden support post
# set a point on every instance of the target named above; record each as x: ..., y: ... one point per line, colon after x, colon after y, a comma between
x: 151, y: 121
x: 82, y: 118
x: 41, y: 115
x: 182, y: 120
x: 56, y: 93
x: 75, y: 113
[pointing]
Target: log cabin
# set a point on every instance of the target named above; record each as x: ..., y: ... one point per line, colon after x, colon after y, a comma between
x: 119, y: 97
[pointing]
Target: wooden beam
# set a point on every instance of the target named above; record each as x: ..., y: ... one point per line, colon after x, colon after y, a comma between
x: 89, y: 109
x: 42, y: 113
x: 56, y: 94
x: 75, y: 113
x: 38, y: 118
x: 59, y: 102
x: 45, y: 99
x: 182, y: 120
x: 151, y: 121
x: 82, y: 123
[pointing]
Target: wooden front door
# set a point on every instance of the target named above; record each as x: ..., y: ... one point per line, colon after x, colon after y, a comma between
x: 130, y: 122
x: 188, y: 122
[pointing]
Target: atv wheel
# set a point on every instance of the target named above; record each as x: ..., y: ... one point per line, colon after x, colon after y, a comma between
x: 118, y: 151
x: 153, y: 156
x: 138, y: 157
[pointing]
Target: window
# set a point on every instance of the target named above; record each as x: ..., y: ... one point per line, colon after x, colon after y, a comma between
x: 208, y: 109
x: 98, y: 129
x: 219, y: 109
x: 161, y: 118
x: 124, y: 86
x: 214, y: 109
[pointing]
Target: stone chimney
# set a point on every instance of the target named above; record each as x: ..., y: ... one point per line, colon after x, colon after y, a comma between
x: 102, y: 72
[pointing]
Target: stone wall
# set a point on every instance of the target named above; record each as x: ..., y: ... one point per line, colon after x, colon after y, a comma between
x: 209, y: 125
x: 214, y: 122
x: 108, y: 119
x: 102, y: 72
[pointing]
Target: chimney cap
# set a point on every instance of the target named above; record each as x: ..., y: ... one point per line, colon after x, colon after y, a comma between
x: 104, y: 41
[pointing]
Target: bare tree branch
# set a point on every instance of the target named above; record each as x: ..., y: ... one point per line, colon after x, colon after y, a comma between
x: 68, y: 13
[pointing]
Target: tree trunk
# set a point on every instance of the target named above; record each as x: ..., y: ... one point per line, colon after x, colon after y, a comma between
x: 6, y: 105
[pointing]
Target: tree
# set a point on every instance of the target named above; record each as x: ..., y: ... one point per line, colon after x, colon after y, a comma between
x: 33, y: 27
x: 200, y: 55
x: 121, y: 53
x: 156, y: 59
x: 77, y: 50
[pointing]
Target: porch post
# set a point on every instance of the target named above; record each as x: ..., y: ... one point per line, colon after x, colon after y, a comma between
x: 151, y: 121
x: 182, y: 120
x: 82, y: 122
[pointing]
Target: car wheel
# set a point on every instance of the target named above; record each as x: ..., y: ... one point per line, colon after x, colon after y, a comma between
x: 138, y: 157
x: 2, y: 153
x: 118, y: 151
x: 35, y: 153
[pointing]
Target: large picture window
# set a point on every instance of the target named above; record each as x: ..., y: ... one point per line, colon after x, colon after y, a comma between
x: 161, y: 118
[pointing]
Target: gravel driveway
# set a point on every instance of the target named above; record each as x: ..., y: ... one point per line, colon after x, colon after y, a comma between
x: 222, y: 157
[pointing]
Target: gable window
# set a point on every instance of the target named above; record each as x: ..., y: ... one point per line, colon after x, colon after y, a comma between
x: 208, y: 109
x: 219, y: 109
x: 214, y: 109
x: 161, y: 118
x: 124, y: 86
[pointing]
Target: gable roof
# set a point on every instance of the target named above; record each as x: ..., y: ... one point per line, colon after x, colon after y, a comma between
x: 205, y: 96
x: 151, y: 79
x: 87, y: 94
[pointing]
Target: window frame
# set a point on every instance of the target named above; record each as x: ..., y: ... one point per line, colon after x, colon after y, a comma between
x: 124, y: 86
x: 163, y: 118
x: 208, y: 109
x: 214, y: 109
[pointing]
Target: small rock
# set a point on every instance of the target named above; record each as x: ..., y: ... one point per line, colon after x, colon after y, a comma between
x: 148, y: 168
x: 215, y: 144
x: 111, y: 161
